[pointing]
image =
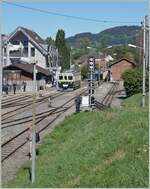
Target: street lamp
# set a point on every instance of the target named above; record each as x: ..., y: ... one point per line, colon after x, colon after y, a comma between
x: 134, y: 46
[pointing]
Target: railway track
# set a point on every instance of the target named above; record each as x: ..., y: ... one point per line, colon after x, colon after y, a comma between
x: 12, y: 98
x: 12, y: 102
x: 26, y: 106
x: 26, y: 119
x: 15, y: 143
x: 106, y: 101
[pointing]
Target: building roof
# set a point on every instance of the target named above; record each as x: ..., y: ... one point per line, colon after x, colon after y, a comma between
x: 29, y: 68
x: 33, y: 36
x: 118, y: 61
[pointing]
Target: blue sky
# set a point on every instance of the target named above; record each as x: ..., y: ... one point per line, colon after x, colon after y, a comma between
x: 47, y: 25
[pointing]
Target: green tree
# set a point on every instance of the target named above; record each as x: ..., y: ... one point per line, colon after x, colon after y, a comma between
x: 50, y: 41
x: 103, y: 42
x: 130, y: 56
x: 118, y: 52
x: 63, y: 50
x: 133, y: 79
x: 85, y: 42
x: 84, y: 71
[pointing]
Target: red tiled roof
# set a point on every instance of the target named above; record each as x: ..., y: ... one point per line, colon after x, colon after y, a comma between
x: 118, y: 61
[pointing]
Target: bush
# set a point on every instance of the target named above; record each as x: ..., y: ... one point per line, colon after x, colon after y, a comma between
x: 133, y: 79
x: 84, y: 71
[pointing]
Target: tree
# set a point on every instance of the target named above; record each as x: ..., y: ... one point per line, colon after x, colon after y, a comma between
x: 63, y: 50
x: 50, y: 41
x: 85, y: 42
x: 130, y: 56
x: 118, y: 52
x: 84, y: 71
x: 103, y: 42
x: 133, y: 79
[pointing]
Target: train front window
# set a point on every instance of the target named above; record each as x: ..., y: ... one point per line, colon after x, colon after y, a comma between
x: 60, y: 77
x: 70, y: 77
x: 65, y: 77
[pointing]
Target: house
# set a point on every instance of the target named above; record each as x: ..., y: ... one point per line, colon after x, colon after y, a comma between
x: 101, y: 64
x: 118, y: 67
x: 19, y: 72
x: 26, y: 46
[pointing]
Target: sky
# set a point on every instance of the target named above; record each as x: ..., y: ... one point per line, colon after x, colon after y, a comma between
x: 47, y: 25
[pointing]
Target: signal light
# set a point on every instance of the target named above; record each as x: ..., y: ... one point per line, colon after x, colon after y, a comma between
x: 92, y: 99
x: 91, y: 62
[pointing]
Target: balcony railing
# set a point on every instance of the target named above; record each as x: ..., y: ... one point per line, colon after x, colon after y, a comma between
x: 17, y: 54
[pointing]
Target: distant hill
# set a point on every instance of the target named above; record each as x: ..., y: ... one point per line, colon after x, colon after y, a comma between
x: 111, y: 36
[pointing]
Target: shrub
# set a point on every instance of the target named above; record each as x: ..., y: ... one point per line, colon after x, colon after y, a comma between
x: 133, y: 79
x: 84, y: 71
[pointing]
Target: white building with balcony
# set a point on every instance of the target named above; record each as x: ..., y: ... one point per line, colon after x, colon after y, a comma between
x: 26, y: 46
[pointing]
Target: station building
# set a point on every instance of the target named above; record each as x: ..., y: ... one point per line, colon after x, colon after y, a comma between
x: 17, y: 73
x: 20, y: 49
x: 118, y: 67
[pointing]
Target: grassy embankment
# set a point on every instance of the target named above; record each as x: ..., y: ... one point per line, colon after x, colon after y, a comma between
x: 102, y: 149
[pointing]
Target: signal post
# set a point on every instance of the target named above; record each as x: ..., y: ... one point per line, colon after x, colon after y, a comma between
x: 91, y: 80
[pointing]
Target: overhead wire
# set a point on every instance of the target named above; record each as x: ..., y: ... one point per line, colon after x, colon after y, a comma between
x: 69, y: 16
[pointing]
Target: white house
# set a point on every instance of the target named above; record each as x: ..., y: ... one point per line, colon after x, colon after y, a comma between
x: 26, y: 46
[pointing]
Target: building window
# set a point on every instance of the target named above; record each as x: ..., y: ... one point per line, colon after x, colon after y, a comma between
x: 25, y: 52
x: 25, y: 43
x: 32, y: 52
x: 70, y: 78
x: 60, y: 77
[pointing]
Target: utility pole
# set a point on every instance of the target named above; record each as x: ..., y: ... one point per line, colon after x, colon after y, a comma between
x: 1, y: 68
x: 33, y: 126
x: 57, y: 69
x: 99, y: 74
x: 147, y: 42
x: 70, y: 58
x: 144, y: 58
x: 149, y: 72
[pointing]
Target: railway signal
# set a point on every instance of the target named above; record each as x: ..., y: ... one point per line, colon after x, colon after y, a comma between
x: 91, y: 80
x: 91, y: 62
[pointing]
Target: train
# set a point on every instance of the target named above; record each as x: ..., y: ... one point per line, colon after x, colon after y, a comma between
x: 69, y: 80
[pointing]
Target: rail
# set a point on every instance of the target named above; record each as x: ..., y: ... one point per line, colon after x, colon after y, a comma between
x: 21, y: 142
x: 106, y: 101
